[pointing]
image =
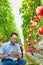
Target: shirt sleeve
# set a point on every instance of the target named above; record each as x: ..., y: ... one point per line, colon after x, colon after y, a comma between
x: 2, y: 49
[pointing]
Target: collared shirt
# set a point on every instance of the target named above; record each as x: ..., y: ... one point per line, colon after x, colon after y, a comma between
x: 8, y: 47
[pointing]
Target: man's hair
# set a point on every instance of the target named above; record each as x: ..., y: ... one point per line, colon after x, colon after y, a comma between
x: 13, y: 34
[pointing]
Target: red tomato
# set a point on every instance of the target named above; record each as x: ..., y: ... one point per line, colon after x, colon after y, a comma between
x: 40, y: 30
x: 37, y: 18
x: 35, y: 41
x: 31, y: 22
x: 39, y: 10
x: 31, y: 48
x: 34, y: 48
x: 33, y: 25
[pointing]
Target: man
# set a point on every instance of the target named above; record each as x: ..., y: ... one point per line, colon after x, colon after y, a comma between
x: 9, y: 58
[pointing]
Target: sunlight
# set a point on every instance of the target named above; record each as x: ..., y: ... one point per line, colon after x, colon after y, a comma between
x: 16, y: 4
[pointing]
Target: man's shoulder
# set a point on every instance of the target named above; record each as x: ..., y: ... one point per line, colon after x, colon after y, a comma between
x: 6, y: 43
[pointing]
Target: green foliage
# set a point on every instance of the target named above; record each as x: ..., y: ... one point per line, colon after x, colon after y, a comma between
x: 30, y: 60
x: 7, y: 23
x: 28, y: 10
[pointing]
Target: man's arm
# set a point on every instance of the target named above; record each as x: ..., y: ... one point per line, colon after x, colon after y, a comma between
x: 3, y: 56
x: 2, y: 50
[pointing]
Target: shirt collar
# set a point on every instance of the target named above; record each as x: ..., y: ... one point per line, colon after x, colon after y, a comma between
x: 11, y: 43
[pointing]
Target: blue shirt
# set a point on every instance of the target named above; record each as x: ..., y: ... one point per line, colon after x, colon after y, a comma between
x: 8, y: 47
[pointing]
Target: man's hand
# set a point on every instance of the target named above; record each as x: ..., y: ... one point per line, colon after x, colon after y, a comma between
x: 17, y: 56
x: 6, y: 55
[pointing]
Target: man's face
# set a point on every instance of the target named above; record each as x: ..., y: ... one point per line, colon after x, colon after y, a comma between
x: 13, y: 38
